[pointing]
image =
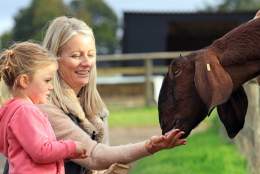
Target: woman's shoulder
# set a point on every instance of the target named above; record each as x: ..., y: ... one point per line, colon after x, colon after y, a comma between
x: 48, y: 106
x: 55, y: 115
x: 50, y: 109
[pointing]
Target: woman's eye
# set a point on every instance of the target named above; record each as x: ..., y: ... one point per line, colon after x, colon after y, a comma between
x: 75, y: 56
x: 91, y: 55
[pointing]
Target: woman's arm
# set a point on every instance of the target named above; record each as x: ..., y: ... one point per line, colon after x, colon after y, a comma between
x: 100, y: 156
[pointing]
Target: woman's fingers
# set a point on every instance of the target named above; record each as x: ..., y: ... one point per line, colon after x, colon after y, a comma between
x: 173, y: 138
x: 172, y: 132
x: 175, y: 134
x: 181, y: 142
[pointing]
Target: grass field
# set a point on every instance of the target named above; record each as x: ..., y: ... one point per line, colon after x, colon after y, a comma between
x: 205, y: 153
x: 133, y: 117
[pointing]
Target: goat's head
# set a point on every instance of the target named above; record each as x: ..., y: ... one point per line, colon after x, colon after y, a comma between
x: 193, y: 86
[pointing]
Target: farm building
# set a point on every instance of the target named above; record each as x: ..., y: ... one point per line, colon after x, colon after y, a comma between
x: 176, y: 31
x: 154, y: 31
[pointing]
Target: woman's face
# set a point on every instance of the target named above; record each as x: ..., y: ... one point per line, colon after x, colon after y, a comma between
x: 77, y: 57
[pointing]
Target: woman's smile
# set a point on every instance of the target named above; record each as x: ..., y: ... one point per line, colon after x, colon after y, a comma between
x: 82, y: 73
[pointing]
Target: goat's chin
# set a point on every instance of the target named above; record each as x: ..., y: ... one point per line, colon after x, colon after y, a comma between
x: 182, y: 128
x: 186, y: 134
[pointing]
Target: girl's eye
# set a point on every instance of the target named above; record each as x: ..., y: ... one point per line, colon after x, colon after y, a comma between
x: 48, y: 80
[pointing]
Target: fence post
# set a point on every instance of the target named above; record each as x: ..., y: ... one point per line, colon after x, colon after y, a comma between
x: 248, y: 138
x: 148, y: 82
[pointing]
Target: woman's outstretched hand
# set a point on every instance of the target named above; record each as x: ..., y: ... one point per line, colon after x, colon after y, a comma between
x: 170, y: 140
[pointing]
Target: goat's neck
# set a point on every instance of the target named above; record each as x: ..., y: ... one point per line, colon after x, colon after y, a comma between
x: 241, y: 67
x: 239, y: 45
x: 239, y: 53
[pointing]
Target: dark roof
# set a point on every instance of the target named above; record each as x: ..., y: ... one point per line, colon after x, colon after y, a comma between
x: 166, y: 12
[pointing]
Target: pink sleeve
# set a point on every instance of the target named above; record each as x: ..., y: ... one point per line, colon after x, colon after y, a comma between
x: 34, y: 135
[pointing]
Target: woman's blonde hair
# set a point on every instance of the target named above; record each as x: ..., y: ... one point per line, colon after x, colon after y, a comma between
x: 23, y: 58
x: 59, y: 32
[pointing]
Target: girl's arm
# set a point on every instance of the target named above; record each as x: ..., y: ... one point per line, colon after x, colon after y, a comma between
x: 34, y: 133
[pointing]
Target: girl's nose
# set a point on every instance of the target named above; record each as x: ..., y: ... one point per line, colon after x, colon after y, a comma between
x: 50, y: 87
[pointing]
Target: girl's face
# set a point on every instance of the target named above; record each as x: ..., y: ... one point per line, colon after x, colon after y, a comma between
x: 77, y: 57
x: 40, y: 86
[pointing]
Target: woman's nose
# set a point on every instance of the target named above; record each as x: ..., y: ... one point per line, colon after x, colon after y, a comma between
x: 86, y: 60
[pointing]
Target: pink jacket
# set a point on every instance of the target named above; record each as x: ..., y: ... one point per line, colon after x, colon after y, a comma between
x: 28, y: 141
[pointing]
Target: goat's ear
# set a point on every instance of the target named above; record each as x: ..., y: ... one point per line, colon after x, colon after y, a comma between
x: 213, y: 83
x: 258, y: 80
x: 233, y: 112
x: 257, y: 15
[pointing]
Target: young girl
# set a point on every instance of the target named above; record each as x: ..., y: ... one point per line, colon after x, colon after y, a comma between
x: 26, y: 137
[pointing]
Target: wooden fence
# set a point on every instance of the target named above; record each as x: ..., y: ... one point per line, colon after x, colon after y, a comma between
x: 147, y: 70
x: 248, y: 138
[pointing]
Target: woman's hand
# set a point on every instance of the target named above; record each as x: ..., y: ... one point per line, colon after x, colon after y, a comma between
x: 167, y: 141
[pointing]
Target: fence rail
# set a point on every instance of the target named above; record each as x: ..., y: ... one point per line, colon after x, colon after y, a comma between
x: 141, y: 56
x: 148, y: 69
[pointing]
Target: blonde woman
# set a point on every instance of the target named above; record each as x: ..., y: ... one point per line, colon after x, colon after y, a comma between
x: 76, y: 110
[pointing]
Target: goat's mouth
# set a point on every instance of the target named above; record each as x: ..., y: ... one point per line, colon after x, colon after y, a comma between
x: 178, y: 124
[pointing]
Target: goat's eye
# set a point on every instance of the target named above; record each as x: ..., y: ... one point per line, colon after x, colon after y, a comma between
x: 177, y: 72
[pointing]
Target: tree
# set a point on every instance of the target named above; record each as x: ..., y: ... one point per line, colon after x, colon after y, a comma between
x: 101, y: 19
x: 30, y: 21
x: 23, y: 25
x: 235, y: 5
x: 6, y: 39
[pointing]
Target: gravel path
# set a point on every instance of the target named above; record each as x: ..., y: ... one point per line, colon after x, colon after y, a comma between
x: 131, y: 135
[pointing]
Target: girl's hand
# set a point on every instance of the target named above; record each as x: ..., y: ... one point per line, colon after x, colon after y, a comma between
x: 81, y: 151
x: 170, y: 140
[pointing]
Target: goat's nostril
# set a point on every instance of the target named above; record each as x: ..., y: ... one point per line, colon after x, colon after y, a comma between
x: 176, y: 123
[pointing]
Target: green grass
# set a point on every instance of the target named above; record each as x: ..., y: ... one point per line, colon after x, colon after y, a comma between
x: 133, y: 117
x: 205, y: 153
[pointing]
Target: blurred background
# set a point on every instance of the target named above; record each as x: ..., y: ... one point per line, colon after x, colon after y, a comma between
x: 136, y: 40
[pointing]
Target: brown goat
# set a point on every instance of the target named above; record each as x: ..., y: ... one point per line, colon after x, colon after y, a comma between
x: 212, y: 77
